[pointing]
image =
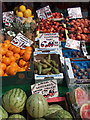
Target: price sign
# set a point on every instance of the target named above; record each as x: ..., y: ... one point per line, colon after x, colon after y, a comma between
x: 49, y: 40
x: 44, y: 12
x: 8, y: 17
x: 74, y: 12
x: 48, y: 88
x: 21, y: 41
x: 73, y: 44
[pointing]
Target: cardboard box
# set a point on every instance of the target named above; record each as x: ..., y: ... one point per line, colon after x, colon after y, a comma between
x: 77, y: 76
x: 55, y: 56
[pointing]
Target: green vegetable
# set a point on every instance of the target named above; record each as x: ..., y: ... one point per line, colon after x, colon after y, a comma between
x: 54, y: 63
x: 39, y: 68
x: 56, y: 70
x: 46, y: 62
x: 44, y: 65
x: 49, y: 58
x: 45, y: 71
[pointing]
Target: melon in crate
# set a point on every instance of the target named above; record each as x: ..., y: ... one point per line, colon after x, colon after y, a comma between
x: 37, y: 106
x: 14, y: 100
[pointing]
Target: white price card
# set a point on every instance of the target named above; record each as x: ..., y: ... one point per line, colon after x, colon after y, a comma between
x: 44, y: 12
x: 73, y: 44
x: 74, y: 12
x: 21, y: 41
x: 49, y: 40
x: 48, y: 88
x: 8, y: 17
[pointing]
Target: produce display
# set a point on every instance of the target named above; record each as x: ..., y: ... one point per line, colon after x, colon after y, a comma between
x: 79, y: 29
x: 70, y: 53
x: 34, y: 58
x: 15, y: 100
x: 79, y: 99
x: 50, y: 26
x: 46, y: 65
x: 81, y: 69
x: 13, y: 59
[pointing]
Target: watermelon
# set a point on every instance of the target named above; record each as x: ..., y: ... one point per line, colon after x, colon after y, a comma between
x: 3, y: 113
x: 85, y: 111
x: 37, y: 106
x: 52, y: 109
x: 60, y: 115
x: 14, y: 100
x: 78, y: 97
x: 16, y: 117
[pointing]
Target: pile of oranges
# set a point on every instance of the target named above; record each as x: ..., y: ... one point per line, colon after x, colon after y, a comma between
x: 22, y: 11
x: 13, y: 59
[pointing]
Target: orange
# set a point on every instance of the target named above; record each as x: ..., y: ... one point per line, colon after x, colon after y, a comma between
x: 26, y: 56
x: 14, y: 64
x: 3, y: 66
x: 0, y: 57
x: 12, y: 59
x: 3, y: 50
x: 17, y: 56
x: 1, y: 72
x: 1, y: 44
x: 6, y: 45
x: 21, y: 69
x: 9, y: 53
x: 16, y: 50
x: 7, y: 41
x: 22, y: 52
x: 11, y: 70
x: 19, y: 14
x: 5, y: 74
x: 28, y: 48
x: 22, y: 63
x: 27, y: 13
x: 22, y: 8
x: 6, y: 60
x: 11, y: 47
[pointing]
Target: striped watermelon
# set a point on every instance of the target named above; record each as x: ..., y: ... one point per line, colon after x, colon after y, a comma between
x: 17, y: 116
x: 37, y: 106
x: 3, y: 113
x: 14, y: 100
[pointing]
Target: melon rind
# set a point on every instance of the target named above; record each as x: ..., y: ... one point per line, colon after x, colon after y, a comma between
x: 17, y: 116
x: 81, y: 109
x: 37, y: 106
x: 3, y: 113
x: 14, y: 100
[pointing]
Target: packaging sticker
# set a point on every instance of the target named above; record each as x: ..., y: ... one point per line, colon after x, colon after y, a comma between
x: 73, y: 44
x: 8, y: 18
x: 44, y: 12
x: 49, y: 40
x: 21, y: 41
x: 48, y: 88
x: 74, y: 12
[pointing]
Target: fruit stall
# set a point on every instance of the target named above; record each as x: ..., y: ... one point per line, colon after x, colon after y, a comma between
x: 44, y: 61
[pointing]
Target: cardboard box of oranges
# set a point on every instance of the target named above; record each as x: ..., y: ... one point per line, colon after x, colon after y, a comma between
x: 16, y: 67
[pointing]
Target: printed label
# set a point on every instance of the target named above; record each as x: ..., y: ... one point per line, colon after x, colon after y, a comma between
x: 21, y: 41
x: 44, y: 12
x: 73, y: 44
x: 48, y: 88
x: 74, y: 12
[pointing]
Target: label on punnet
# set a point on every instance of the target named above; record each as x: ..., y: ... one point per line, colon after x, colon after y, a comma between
x: 55, y: 76
x: 48, y: 89
x: 49, y: 40
x: 44, y: 12
x: 8, y: 17
x: 21, y: 41
x: 74, y: 12
x: 73, y: 44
